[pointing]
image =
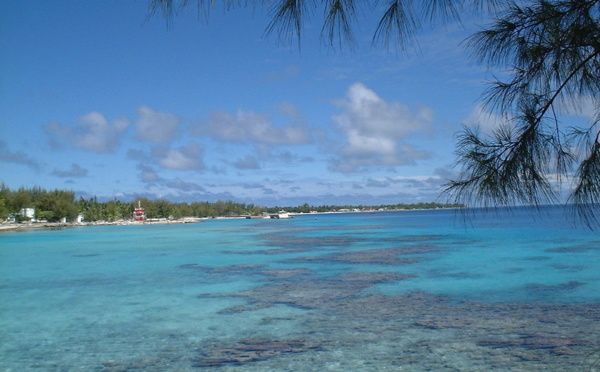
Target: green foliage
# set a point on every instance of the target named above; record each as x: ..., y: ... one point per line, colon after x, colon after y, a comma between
x: 50, y: 205
x: 112, y: 210
x: 20, y: 199
x: 58, y: 204
x: 305, y: 208
x: 55, y: 205
x: 42, y: 216
x: 4, y: 200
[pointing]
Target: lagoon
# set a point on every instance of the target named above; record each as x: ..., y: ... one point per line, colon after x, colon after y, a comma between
x: 410, y: 290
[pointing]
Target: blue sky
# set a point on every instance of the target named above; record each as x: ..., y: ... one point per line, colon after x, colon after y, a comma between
x: 95, y: 100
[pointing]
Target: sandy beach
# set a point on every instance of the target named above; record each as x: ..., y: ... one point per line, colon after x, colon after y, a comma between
x: 13, y: 226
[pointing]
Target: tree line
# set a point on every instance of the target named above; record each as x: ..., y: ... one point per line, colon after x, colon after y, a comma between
x: 306, y: 208
x: 57, y: 205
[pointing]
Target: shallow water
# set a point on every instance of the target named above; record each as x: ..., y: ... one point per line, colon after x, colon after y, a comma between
x: 411, y: 291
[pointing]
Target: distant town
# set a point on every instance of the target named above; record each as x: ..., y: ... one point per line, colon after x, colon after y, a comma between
x: 39, y: 205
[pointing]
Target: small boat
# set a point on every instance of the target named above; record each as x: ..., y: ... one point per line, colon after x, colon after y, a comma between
x: 280, y: 215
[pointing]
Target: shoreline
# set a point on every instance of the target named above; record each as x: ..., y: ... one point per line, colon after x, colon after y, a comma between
x: 27, y: 226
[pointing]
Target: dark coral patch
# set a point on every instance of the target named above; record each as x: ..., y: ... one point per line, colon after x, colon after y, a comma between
x: 250, y: 350
x: 532, y: 341
x: 541, y: 288
x: 497, y: 335
x: 244, y: 308
x: 454, y: 275
x: 415, y: 238
x: 592, y: 246
x: 311, y: 293
x: 570, y: 268
x: 286, y: 273
x: 441, y: 322
x: 291, y: 241
x: 232, y: 269
x: 386, y: 256
x: 273, y: 251
x: 536, y: 258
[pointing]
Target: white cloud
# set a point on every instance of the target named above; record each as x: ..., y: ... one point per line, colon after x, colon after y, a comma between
x: 181, y: 185
x: 156, y: 126
x: 93, y: 133
x: 251, y: 127
x: 75, y: 171
x: 148, y: 174
x: 249, y: 162
x: 96, y: 134
x: 485, y: 120
x: 290, y: 110
x: 282, y: 75
x: 17, y: 157
x: 589, y: 107
x: 374, y: 131
x: 188, y: 157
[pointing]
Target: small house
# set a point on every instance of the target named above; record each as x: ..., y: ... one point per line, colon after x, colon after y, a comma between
x: 28, y: 213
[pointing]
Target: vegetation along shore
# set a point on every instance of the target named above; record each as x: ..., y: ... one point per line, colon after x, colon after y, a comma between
x: 27, y: 208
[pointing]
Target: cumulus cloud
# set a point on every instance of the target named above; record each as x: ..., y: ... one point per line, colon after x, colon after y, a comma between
x: 17, y: 157
x: 140, y: 155
x: 265, y: 153
x: 156, y: 126
x: 287, y: 73
x: 445, y: 173
x: 291, y: 111
x: 93, y: 133
x: 486, y: 121
x: 251, y: 127
x: 181, y: 185
x: 371, y: 182
x: 75, y: 171
x: 258, y: 186
x: 415, y: 188
x: 148, y: 174
x: 374, y: 131
x: 588, y: 107
x: 187, y: 157
x: 249, y: 162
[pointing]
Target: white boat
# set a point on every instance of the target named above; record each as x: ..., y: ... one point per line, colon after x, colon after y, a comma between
x: 280, y: 215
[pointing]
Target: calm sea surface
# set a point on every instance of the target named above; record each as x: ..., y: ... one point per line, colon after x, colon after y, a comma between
x: 386, y: 291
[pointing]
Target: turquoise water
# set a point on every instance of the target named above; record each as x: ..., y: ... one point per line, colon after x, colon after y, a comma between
x: 398, y: 291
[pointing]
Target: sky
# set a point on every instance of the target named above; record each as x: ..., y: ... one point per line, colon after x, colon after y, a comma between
x: 97, y: 99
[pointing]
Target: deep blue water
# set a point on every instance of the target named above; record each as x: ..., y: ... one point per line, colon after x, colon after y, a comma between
x: 412, y: 290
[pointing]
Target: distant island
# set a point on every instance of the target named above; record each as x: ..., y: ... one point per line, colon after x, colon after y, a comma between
x: 61, y: 206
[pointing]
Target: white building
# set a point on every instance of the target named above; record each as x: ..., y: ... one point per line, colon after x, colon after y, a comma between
x: 28, y: 212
